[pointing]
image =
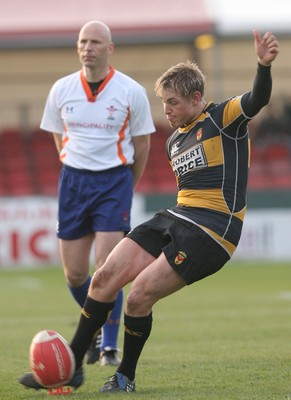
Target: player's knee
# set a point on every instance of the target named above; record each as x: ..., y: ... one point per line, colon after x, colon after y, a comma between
x: 138, y: 303
x: 100, y: 279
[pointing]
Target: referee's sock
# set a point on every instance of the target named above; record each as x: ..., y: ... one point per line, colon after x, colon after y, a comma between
x: 80, y: 293
x: 137, y: 331
x: 111, y: 327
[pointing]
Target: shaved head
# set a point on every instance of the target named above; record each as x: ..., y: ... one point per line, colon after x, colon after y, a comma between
x: 98, y: 29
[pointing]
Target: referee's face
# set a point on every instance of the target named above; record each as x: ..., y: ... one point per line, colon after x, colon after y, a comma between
x: 94, y: 46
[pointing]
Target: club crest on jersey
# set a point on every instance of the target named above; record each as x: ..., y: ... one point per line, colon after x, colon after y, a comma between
x: 111, y: 110
x: 180, y: 257
x: 199, y: 134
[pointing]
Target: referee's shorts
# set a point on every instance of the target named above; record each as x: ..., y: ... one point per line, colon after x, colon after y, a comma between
x: 92, y: 201
x: 189, y: 250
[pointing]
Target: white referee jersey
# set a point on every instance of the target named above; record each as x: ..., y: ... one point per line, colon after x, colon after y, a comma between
x: 97, y: 130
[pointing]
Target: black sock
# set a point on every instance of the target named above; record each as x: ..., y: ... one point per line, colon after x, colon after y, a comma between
x: 136, y: 332
x: 93, y: 317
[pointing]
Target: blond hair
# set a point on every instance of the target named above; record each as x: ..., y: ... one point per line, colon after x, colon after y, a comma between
x: 183, y: 78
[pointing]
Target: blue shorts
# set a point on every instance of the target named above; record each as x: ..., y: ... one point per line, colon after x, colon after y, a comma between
x: 92, y: 201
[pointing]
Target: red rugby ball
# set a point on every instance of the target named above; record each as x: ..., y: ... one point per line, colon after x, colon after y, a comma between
x: 51, y: 359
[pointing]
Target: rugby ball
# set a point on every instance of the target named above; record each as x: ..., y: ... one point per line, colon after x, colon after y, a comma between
x: 51, y: 359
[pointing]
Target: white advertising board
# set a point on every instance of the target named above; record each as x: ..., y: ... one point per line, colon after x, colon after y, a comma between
x: 266, y: 235
x: 27, y: 232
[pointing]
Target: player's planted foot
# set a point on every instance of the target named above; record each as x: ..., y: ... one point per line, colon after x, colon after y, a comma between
x: 118, y: 383
x: 28, y: 380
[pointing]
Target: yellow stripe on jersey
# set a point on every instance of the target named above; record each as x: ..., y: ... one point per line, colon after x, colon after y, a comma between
x: 213, y: 151
x: 207, y: 198
x: 231, y: 111
x: 241, y: 214
x: 212, y: 199
x: 230, y: 248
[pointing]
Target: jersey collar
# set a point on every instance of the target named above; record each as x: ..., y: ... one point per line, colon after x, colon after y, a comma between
x: 197, y: 119
x: 90, y: 97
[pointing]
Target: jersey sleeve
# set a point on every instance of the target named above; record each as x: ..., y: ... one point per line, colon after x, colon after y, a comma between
x: 259, y: 96
x: 140, y: 112
x: 51, y: 119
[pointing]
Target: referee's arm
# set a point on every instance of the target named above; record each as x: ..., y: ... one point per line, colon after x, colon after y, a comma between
x: 141, y: 152
x: 58, y: 142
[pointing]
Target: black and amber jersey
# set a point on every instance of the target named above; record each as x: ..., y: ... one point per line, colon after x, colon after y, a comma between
x: 210, y: 159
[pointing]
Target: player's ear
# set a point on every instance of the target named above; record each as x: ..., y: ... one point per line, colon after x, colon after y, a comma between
x: 111, y: 48
x: 196, y: 97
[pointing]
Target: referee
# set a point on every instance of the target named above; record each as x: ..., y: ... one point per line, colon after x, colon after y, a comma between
x: 101, y: 123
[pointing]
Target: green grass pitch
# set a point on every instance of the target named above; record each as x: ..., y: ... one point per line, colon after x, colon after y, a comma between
x: 227, y: 337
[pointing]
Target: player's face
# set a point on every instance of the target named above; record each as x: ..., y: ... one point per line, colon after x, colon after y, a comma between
x: 94, y: 47
x: 178, y: 109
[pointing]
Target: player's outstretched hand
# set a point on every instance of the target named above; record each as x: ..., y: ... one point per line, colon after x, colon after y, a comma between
x: 267, y: 47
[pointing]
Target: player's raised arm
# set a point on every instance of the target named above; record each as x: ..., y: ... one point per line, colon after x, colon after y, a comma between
x: 266, y: 47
